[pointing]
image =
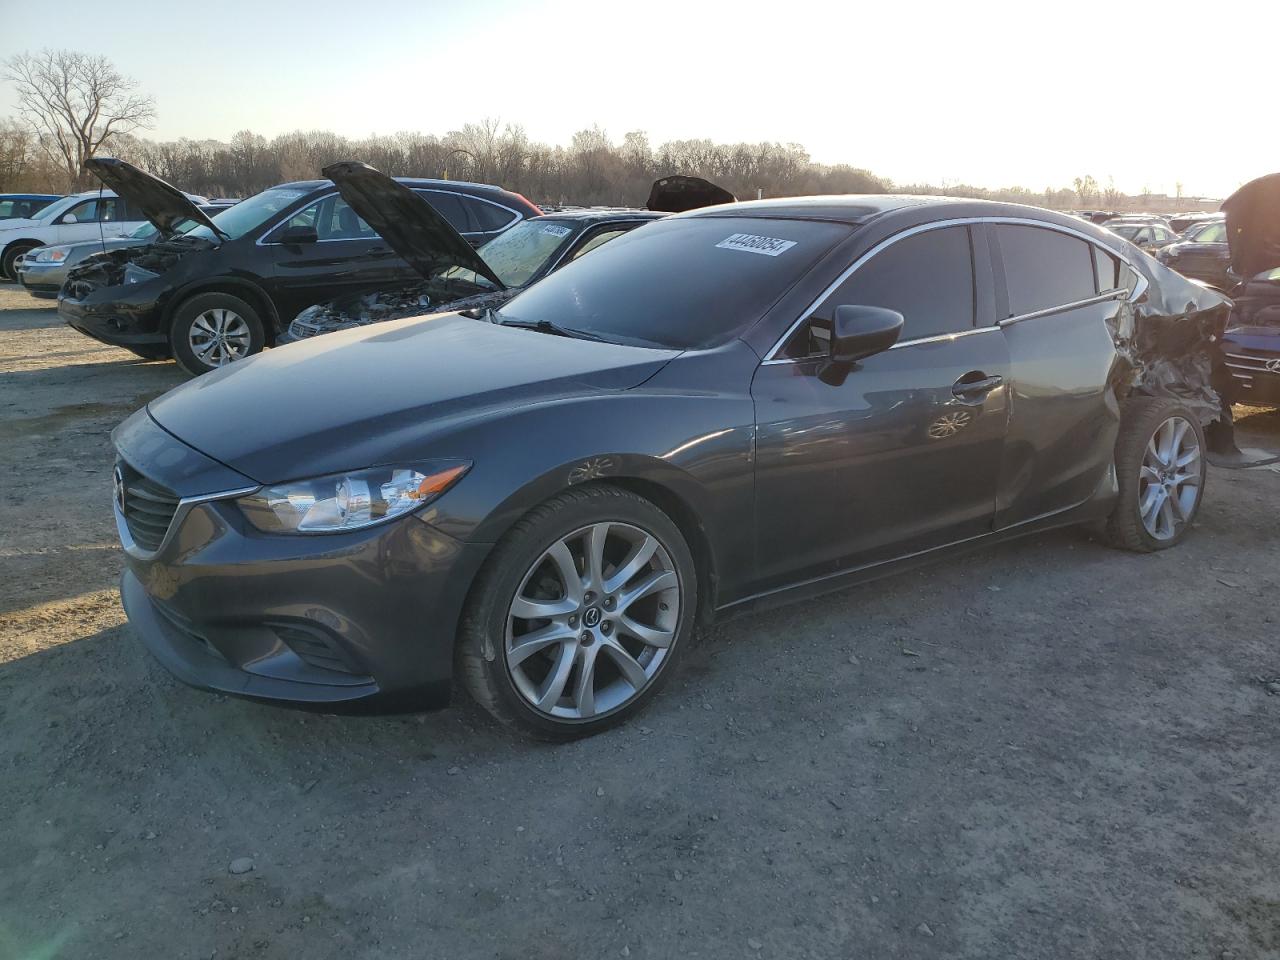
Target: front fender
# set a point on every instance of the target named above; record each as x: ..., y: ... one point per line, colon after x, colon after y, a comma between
x: 696, y: 449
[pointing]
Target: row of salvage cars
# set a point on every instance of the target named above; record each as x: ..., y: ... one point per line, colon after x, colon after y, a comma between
x: 541, y: 491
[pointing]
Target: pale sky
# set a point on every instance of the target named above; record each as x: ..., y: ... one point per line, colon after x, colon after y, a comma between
x: 994, y: 94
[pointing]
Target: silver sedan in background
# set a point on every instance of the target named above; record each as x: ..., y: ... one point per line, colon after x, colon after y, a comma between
x: 43, y: 270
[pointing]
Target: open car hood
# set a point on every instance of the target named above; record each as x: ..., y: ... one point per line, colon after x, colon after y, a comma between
x: 420, y: 236
x: 164, y: 205
x: 677, y: 194
x: 1253, y: 226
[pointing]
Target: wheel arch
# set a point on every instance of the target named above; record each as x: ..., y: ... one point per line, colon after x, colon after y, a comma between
x: 246, y: 290
x: 670, y: 489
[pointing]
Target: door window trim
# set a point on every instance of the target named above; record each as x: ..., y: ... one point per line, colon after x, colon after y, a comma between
x: 772, y: 357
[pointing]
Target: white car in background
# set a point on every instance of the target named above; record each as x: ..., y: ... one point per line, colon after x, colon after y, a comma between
x: 92, y: 215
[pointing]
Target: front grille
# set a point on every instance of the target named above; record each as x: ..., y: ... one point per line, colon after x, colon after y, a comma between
x: 148, y: 508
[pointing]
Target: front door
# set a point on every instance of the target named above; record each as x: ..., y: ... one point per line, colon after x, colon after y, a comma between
x: 898, y: 453
x: 347, y: 258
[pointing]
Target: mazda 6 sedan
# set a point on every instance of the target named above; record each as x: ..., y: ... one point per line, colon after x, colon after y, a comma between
x: 729, y: 408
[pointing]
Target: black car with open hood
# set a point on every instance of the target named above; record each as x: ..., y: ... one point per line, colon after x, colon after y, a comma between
x: 228, y: 287
x: 499, y: 270
x: 1252, y: 340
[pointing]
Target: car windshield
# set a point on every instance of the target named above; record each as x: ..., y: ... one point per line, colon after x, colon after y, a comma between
x: 248, y: 214
x: 1126, y: 230
x: 1210, y: 233
x: 517, y: 254
x: 681, y: 283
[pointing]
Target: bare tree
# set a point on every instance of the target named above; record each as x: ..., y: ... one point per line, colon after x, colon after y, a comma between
x: 76, y: 102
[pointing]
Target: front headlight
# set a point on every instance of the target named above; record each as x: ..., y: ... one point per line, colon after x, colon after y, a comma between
x: 349, y: 501
x: 50, y: 256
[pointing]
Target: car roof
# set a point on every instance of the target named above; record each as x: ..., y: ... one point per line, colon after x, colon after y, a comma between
x: 31, y: 196
x: 594, y: 215
x: 861, y: 209
x: 466, y: 186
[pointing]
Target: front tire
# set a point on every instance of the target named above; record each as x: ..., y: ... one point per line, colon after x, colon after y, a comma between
x: 587, y: 603
x: 211, y: 330
x: 1161, y: 468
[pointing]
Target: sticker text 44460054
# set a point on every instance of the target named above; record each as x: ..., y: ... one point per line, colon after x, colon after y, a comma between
x: 751, y: 243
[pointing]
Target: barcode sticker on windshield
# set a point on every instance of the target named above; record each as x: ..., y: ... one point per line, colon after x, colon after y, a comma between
x: 750, y: 243
x: 554, y: 230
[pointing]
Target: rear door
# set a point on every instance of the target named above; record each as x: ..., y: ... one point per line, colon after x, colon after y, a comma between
x: 900, y: 452
x: 347, y: 258
x: 1057, y: 292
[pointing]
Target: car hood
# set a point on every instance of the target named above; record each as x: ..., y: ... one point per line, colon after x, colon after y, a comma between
x: 1253, y: 226
x: 412, y: 228
x: 164, y: 205
x: 679, y: 193
x: 18, y: 223
x: 386, y: 393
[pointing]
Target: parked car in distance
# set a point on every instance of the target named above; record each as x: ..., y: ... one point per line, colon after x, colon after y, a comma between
x: 81, y: 216
x: 23, y: 206
x: 1148, y: 235
x: 718, y: 411
x: 1252, y: 339
x: 498, y: 270
x: 1202, y: 254
x: 1184, y: 221
x: 43, y: 270
x: 228, y: 287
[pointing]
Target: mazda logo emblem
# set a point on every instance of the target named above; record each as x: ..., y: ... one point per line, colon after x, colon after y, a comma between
x: 1273, y: 366
x: 592, y: 617
x: 117, y: 483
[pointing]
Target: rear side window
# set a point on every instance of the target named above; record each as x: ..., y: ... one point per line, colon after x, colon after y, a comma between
x: 487, y: 216
x: 1044, y: 268
x: 450, y: 206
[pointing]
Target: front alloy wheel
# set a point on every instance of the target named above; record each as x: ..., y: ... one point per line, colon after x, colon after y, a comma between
x: 580, y: 614
x: 592, y: 621
x: 219, y: 336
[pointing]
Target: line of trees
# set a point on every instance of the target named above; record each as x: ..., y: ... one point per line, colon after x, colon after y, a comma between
x: 73, y: 105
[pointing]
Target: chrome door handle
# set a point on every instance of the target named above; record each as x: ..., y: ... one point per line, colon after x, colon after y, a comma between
x: 974, y: 389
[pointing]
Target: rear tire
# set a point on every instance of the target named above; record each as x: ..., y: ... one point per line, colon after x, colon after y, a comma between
x: 1161, y: 469
x: 615, y: 628
x: 211, y: 330
x: 10, y: 257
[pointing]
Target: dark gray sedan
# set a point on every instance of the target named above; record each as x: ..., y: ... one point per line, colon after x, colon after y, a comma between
x: 726, y: 409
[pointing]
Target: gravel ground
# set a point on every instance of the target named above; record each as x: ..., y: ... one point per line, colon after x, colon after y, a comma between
x: 1046, y: 750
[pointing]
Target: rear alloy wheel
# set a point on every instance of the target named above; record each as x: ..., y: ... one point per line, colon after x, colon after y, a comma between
x: 212, y: 330
x: 1161, y: 469
x: 585, y: 603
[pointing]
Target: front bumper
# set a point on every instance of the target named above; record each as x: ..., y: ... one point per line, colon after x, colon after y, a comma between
x: 126, y: 320
x: 41, y: 279
x: 364, y: 620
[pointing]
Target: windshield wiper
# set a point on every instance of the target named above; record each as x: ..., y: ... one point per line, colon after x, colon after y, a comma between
x: 545, y: 326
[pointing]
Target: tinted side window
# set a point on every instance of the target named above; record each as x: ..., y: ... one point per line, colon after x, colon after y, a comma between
x: 449, y: 206
x: 928, y: 278
x: 1044, y: 268
x: 489, y: 217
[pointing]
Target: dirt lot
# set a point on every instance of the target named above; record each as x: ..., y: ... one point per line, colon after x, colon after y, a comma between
x: 1047, y: 750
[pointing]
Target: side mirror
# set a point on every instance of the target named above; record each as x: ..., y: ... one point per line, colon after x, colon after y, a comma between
x: 858, y: 332
x: 69, y: 218
x: 299, y: 234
